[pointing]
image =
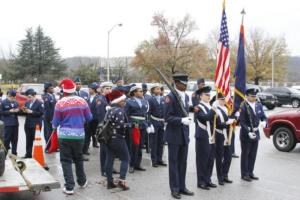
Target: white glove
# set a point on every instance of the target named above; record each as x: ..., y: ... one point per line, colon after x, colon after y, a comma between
x: 230, y: 121
x: 186, y: 120
x: 148, y: 129
x: 237, y: 114
x: 263, y: 124
x: 152, y: 129
x: 252, y: 135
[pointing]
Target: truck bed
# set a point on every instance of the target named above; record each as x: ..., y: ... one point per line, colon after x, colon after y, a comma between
x: 34, y: 178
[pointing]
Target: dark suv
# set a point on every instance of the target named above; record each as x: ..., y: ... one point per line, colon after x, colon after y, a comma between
x: 286, y: 96
x: 266, y: 98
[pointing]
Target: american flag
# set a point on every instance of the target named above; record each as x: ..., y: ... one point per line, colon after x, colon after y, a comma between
x: 222, y: 78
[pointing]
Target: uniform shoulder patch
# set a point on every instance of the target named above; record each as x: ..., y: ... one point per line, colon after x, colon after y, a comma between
x: 98, y: 101
x: 167, y: 100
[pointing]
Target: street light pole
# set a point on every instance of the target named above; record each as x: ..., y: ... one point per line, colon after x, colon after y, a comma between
x: 108, y: 37
x: 272, y: 68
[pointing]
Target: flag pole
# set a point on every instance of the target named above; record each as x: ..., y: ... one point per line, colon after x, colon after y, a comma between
x: 232, y: 126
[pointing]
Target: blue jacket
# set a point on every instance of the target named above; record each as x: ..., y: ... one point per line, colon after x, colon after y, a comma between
x: 132, y: 108
x: 156, y: 110
x: 202, y: 118
x: 36, y: 116
x: 176, y: 132
x: 8, y: 118
x: 220, y: 124
x: 102, y: 107
x: 49, y: 105
x: 95, y: 106
x: 82, y: 94
x: 245, y: 120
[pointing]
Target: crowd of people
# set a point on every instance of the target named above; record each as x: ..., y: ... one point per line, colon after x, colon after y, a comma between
x: 139, y: 121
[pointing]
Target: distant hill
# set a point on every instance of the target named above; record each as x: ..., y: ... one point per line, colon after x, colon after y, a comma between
x: 293, y: 66
x: 75, y: 62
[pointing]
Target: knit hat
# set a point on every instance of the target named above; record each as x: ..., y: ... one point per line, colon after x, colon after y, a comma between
x: 68, y: 85
x: 116, y: 96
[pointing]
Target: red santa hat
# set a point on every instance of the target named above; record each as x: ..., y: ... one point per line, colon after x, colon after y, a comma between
x: 68, y: 85
x: 116, y: 96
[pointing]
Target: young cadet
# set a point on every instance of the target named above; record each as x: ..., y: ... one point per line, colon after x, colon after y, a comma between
x: 34, y: 110
x: 9, y: 109
x: 156, y: 114
x: 250, y: 116
x: 105, y: 90
x: 136, y: 109
x: 49, y: 104
x: 205, y: 147
x: 177, y: 137
x: 223, y: 151
x: 79, y: 92
x: 117, y: 146
x: 94, y: 104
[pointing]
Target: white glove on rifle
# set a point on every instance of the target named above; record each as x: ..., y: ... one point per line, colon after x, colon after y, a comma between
x: 152, y: 129
x: 252, y: 135
x: 230, y: 121
x: 148, y: 129
x: 263, y: 124
x: 186, y: 120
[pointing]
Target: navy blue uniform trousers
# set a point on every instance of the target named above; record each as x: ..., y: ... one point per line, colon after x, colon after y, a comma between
x: 223, y: 158
x: 177, y: 166
x: 157, y: 144
x: 205, y: 155
x: 248, y: 156
x: 11, y: 134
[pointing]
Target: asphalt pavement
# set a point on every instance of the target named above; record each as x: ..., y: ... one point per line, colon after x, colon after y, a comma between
x: 278, y: 172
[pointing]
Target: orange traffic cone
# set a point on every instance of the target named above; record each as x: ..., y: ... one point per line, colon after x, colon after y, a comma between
x: 38, y: 153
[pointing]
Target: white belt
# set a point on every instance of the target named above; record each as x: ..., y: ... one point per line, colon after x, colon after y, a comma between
x: 158, y: 119
x: 254, y: 129
x: 201, y: 125
x: 219, y: 131
x: 138, y: 117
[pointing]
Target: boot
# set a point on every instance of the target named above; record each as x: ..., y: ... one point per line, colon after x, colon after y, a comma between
x: 111, y: 185
x: 122, y: 184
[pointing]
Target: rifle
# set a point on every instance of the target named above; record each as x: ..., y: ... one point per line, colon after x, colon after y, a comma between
x: 172, y: 89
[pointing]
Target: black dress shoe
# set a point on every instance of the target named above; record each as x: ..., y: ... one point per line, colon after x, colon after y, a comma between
x: 212, y: 185
x: 226, y: 180
x: 115, y: 172
x: 111, y: 185
x: 203, y: 187
x: 187, y: 192
x: 96, y: 146
x: 139, y: 168
x: 131, y: 170
x: 234, y: 156
x: 253, y: 177
x: 154, y: 165
x: 221, y: 183
x: 162, y: 164
x: 246, y: 178
x: 176, y: 195
x: 86, y: 159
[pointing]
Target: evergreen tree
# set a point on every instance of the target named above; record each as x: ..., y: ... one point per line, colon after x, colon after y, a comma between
x: 38, y: 59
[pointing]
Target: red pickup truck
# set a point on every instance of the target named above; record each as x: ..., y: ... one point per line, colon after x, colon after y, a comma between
x: 285, y: 129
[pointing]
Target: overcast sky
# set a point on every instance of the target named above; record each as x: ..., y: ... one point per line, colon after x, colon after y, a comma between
x: 79, y: 27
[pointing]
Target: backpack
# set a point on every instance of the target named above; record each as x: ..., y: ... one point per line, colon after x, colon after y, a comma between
x: 105, y: 130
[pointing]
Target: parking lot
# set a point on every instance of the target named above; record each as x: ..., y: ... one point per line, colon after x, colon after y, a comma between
x: 278, y: 172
